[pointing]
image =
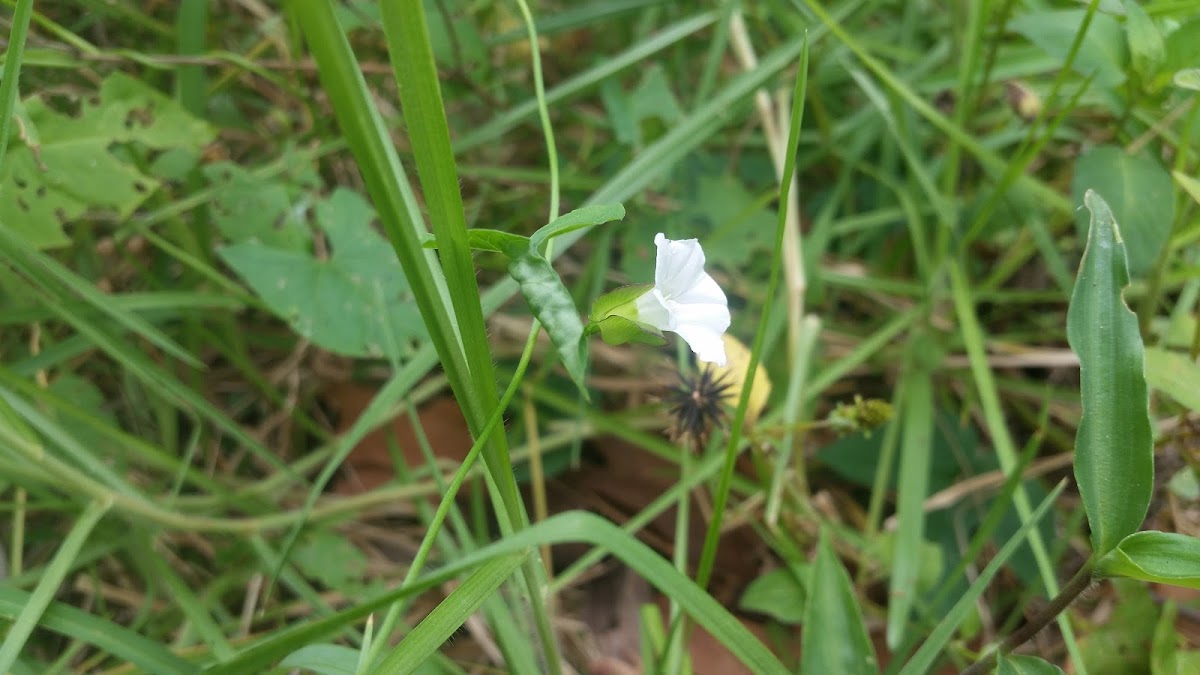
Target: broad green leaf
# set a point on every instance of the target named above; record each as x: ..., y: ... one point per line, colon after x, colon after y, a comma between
x: 1023, y: 664
x: 271, y: 211
x: 1162, y: 557
x: 1174, y: 374
x: 355, y: 303
x: 780, y: 594
x: 331, y: 559
x: 1146, y: 47
x: 65, y: 166
x: 578, y: 219
x: 323, y: 659
x: 449, y: 615
x: 1183, y: 46
x: 1114, y: 462
x: 1120, y: 644
x: 835, y: 637
x: 1139, y: 192
x: 553, y: 307
x: 1102, y: 52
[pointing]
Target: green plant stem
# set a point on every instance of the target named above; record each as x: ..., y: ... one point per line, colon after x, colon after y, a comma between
x: 708, y: 554
x: 1069, y: 593
x: 460, y: 476
x: 9, y: 90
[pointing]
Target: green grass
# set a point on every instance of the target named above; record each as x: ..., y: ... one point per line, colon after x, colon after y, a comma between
x: 168, y: 442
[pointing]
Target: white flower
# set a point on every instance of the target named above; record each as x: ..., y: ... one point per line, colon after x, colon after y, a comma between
x: 686, y: 300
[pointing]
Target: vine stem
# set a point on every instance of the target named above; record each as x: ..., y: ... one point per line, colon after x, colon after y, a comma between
x: 1070, y: 592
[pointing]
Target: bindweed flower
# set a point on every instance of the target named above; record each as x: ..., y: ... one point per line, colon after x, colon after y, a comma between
x: 685, y: 299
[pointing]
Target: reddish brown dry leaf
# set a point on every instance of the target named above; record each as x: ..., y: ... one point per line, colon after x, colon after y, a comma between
x: 370, y: 463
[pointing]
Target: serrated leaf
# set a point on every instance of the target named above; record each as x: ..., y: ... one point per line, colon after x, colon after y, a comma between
x: 1139, y: 192
x: 835, y: 637
x: 1162, y: 557
x: 1102, y: 52
x: 355, y: 303
x: 1023, y: 664
x: 578, y: 219
x: 551, y: 304
x: 65, y: 166
x: 1114, y: 463
x: 1174, y: 374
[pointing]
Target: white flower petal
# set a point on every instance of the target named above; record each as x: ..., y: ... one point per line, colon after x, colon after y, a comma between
x: 704, y: 292
x: 652, y: 310
x: 678, y: 265
x: 706, y: 343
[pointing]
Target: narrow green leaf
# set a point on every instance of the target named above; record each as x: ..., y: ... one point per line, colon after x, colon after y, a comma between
x: 916, y: 452
x: 49, y: 584
x: 553, y: 307
x: 9, y: 91
x: 585, y: 216
x: 1163, y: 557
x: 1022, y: 664
x: 835, y: 638
x: 1114, y: 462
x: 925, y: 658
x: 116, y: 640
x: 452, y: 612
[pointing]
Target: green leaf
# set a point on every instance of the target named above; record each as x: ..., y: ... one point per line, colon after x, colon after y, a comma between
x: 1139, y: 191
x: 1146, y: 45
x: 1022, y: 664
x: 1163, y: 557
x: 610, y: 302
x: 483, y: 239
x: 1119, y: 645
x: 1114, y: 463
x: 330, y: 559
x: 1164, y: 648
x: 780, y: 594
x: 1188, y: 78
x: 323, y: 659
x: 916, y: 452
x: 925, y: 658
x: 1183, y: 46
x: 355, y: 303
x: 65, y: 166
x: 112, y: 638
x: 617, y: 330
x: 271, y: 211
x: 449, y: 615
x: 553, y: 307
x: 835, y: 637
x: 1102, y: 51
x: 1174, y: 374
x: 578, y: 219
